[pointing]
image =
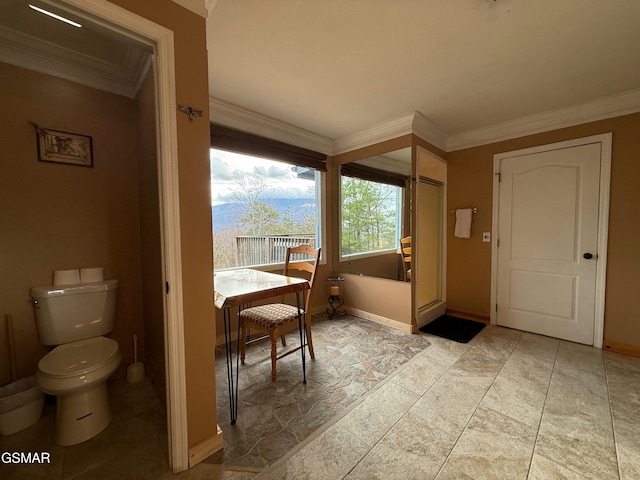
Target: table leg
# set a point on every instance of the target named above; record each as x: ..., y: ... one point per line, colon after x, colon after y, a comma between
x: 231, y: 378
x: 302, y: 326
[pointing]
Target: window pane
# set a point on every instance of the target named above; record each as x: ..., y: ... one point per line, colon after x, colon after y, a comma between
x: 370, y: 215
x: 260, y: 207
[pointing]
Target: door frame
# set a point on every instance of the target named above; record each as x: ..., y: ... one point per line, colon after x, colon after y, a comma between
x: 427, y: 313
x: 605, y: 140
x: 125, y: 22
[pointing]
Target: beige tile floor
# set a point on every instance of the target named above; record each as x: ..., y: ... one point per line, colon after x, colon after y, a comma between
x: 134, y: 445
x: 352, y: 357
x: 507, y: 405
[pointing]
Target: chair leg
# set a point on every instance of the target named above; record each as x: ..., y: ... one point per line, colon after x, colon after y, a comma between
x: 274, y: 355
x: 310, y: 340
x: 243, y: 342
x: 284, y: 340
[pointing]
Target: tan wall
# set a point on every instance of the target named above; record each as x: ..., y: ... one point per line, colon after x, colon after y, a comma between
x: 470, y: 184
x: 29, y: 218
x: 150, y: 239
x: 386, y: 265
x: 195, y: 208
x: 380, y: 300
x: 57, y: 216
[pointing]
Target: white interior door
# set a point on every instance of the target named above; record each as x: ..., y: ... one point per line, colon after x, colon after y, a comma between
x: 548, y: 241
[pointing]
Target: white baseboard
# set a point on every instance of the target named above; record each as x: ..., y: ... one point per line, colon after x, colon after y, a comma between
x: 430, y: 313
x: 379, y: 319
x: 205, y: 449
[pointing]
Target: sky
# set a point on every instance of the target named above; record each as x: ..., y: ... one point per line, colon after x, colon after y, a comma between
x: 282, y: 181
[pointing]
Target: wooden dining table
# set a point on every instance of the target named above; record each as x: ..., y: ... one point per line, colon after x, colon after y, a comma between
x: 238, y: 289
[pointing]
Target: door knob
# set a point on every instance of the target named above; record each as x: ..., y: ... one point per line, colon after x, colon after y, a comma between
x: 588, y: 256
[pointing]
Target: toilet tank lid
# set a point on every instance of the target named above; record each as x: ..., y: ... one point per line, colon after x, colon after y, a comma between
x: 80, y: 288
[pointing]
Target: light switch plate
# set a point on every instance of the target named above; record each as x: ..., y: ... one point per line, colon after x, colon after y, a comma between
x: 486, y: 236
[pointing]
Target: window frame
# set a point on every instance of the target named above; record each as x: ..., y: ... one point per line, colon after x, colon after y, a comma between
x: 400, y: 206
x: 320, y: 193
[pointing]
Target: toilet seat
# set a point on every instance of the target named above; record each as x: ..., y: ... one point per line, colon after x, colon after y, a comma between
x: 78, y: 358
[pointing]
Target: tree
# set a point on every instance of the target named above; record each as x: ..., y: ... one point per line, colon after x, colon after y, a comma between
x: 368, y: 216
x: 257, y: 218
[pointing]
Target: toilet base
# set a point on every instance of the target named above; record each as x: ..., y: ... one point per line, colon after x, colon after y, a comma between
x: 82, y: 416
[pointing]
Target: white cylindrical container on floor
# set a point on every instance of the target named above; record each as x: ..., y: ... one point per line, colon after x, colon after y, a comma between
x: 21, y: 405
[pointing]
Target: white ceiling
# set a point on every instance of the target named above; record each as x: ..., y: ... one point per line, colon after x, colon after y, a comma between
x: 337, y: 67
x: 465, y: 71
x: 92, y: 55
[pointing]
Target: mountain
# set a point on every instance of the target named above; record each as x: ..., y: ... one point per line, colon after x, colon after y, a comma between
x: 225, y: 214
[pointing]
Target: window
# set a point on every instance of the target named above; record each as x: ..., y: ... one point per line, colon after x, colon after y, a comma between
x: 371, y: 216
x: 260, y: 207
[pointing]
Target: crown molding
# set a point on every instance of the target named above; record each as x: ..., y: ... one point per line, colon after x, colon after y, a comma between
x: 414, y: 123
x: 608, y: 107
x: 233, y: 116
x: 429, y: 131
x: 34, y: 54
x: 394, y: 128
x: 196, y: 6
x: 210, y: 5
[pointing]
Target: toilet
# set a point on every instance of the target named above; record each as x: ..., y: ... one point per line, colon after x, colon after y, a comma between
x: 75, y: 318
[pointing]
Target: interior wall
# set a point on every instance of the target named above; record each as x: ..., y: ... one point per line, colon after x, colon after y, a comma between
x: 60, y: 216
x: 387, y: 265
x: 379, y: 299
x: 470, y: 174
x: 361, y: 292
x: 191, y: 84
x: 150, y: 238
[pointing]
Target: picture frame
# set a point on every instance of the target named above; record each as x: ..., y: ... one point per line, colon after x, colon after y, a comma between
x: 64, y: 147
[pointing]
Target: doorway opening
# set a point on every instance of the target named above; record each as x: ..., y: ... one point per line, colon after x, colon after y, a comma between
x: 114, y: 24
x: 430, y: 237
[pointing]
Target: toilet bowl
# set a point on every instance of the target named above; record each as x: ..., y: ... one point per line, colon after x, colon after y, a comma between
x: 76, y: 373
x: 74, y: 319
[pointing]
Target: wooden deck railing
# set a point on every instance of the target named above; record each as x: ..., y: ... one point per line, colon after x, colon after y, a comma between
x: 262, y: 250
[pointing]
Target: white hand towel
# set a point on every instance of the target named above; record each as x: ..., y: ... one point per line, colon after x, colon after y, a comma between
x: 463, y: 222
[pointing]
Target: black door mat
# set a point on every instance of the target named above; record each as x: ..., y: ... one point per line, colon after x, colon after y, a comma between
x: 457, y: 329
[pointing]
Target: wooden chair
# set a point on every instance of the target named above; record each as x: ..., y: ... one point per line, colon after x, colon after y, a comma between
x: 405, y: 251
x: 277, y: 319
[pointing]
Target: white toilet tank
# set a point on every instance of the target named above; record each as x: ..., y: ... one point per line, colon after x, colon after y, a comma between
x: 74, y: 312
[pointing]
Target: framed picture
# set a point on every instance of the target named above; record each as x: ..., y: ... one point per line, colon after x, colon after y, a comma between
x: 64, y: 147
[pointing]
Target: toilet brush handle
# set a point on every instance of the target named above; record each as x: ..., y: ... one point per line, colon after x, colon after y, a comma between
x: 135, y: 348
x: 12, y: 347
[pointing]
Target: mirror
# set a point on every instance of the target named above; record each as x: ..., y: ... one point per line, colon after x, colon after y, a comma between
x: 374, y: 213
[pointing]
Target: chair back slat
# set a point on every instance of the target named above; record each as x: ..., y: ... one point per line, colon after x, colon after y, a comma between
x: 405, y: 250
x: 296, y: 252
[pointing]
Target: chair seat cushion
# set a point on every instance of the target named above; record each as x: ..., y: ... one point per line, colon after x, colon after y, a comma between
x: 271, y: 316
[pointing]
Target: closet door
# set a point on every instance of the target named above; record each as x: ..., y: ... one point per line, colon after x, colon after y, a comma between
x: 548, y: 239
x: 429, y: 246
